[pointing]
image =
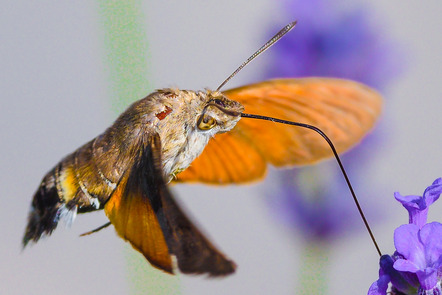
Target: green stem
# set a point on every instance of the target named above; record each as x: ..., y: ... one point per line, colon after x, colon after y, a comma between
x: 145, y: 279
x: 126, y: 48
x: 126, y: 63
x: 313, y: 274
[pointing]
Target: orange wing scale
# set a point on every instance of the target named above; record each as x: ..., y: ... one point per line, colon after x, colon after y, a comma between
x: 342, y: 109
x: 135, y: 221
x: 143, y: 212
x: 229, y: 158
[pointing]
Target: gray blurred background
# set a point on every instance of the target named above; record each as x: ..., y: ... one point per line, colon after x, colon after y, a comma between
x: 55, y: 97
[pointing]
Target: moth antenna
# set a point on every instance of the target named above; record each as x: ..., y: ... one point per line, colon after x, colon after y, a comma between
x: 330, y: 143
x: 269, y: 43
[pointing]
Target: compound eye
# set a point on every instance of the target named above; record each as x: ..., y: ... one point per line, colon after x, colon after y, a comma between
x: 206, y: 122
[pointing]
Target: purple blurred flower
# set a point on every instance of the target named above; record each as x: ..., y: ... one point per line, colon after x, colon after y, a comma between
x: 323, y: 212
x: 328, y: 43
x: 416, y: 266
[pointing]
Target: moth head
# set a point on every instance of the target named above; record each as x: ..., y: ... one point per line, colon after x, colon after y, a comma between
x: 219, y: 113
x: 205, y: 112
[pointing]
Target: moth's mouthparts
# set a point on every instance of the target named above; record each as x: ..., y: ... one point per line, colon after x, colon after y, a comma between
x: 223, y: 109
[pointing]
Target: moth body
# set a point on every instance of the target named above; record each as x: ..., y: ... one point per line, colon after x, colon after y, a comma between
x: 168, y: 136
x: 84, y: 180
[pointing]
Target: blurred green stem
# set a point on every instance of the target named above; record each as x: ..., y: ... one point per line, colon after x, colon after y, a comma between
x: 313, y: 278
x: 126, y: 61
x: 126, y: 46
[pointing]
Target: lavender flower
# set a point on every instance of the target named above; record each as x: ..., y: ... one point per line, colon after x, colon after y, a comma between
x: 333, y: 44
x: 417, y: 206
x: 416, y: 266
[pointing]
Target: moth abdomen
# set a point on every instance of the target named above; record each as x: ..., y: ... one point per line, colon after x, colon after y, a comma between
x: 43, y: 217
x: 75, y: 185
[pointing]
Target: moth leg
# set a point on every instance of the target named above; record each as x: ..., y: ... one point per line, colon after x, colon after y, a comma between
x: 96, y: 230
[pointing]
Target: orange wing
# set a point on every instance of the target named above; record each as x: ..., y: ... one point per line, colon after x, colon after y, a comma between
x: 344, y: 110
x: 134, y: 219
x: 144, y: 213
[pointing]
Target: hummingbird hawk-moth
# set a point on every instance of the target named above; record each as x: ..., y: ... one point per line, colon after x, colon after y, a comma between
x: 177, y: 135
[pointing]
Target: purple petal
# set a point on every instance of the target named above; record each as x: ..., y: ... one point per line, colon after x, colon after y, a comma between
x: 427, y: 278
x: 405, y: 265
x: 416, y: 207
x: 407, y: 243
x: 405, y: 282
x: 410, y: 201
x: 421, y: 250
x: 433, y: 192
x: 380, y: 286
x: 418, y: 217
x: 431, y: 237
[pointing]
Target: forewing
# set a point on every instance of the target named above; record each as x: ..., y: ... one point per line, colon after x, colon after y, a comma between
x: 134, y: 219
x: 344, y: 110
x: 144, y: 213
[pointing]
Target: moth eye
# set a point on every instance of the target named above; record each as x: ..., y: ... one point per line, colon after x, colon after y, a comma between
x: 219, y: 102
x: 206, y: 122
